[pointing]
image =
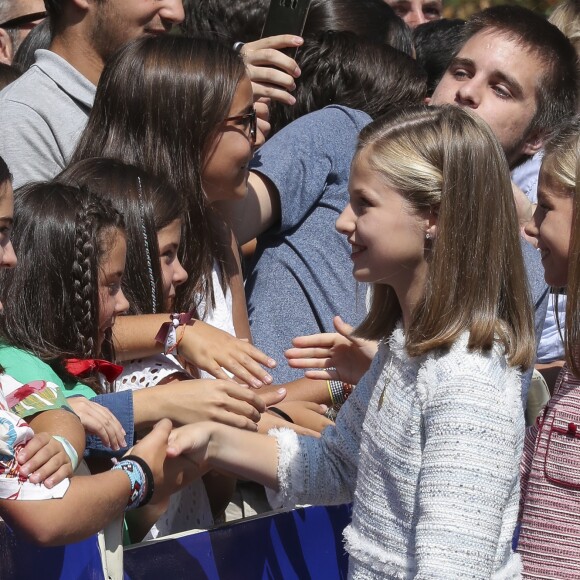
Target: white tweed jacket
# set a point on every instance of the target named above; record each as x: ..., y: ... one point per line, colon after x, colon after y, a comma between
x: 428, y: 448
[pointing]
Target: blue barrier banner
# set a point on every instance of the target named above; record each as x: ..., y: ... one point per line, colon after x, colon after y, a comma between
x: 300, y: 544
x: 24, y: 561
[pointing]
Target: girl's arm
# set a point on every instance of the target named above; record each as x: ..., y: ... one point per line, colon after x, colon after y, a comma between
x: 202, y: 345
x: 304, y: 469
x: 239, y: 309
x: 90, y: 503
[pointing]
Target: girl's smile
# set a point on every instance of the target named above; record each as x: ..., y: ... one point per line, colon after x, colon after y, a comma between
x: 552, y: 228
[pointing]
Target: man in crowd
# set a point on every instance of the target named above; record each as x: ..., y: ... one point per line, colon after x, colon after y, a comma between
x: 17, y: 19
x: 415, y: 12
x: 43, y: 113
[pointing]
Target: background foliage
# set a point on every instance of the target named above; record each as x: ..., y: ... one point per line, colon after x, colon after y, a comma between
x: 463, y: 8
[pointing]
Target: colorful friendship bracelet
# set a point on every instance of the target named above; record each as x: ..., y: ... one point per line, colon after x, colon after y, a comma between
x: 339, y: 392
x: 141, y: 479
x: 167, y: 334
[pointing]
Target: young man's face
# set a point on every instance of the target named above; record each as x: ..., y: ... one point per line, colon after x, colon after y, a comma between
x: 416, y: 12
x: 496, y: 78
x: 116, y: 22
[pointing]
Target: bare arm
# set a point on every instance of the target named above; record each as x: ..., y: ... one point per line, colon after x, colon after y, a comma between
x: 249, y: 455
x: 202, y: 345
x: 258, y: 211
x: 90, y: 503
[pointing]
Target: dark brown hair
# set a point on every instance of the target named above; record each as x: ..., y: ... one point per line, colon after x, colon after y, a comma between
x: 51, y: 299
x: 159, y: 106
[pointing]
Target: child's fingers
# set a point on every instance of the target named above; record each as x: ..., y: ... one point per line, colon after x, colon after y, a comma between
x: 245, y: 395
x: 266, y: 52
x: 273, y: 397
x: 321, y: 340
x: 239, y: 421
x: 53, y: 471
x: 310, y: 363
x: 99, y: 421
x: 346, y: 330
x: 247, y: 370
x: 43, y: 455
x: 60, y: 475
x: 38, y: 442
x: 322, y: 375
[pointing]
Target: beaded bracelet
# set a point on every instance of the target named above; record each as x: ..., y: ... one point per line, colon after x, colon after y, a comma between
x: 69, y: 450
x: 141, y: 478
x: 339, y: 391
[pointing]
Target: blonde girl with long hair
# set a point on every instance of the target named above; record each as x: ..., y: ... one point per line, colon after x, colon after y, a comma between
x: 428, y: 445
x: 550, y: 501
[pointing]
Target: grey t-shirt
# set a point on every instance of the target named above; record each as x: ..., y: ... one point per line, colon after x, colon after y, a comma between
x: 301, y: 275
x: 42, y: 115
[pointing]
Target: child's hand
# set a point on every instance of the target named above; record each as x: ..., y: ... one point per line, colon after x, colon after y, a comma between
x: 200, y: 400
x: 306, y: 414
x: 44, y: 460
x: 99, y: 421
x: 191, y: 442
x: 350, y: 356
x: 153, y: 449
x: 272, y: 72
x: 214, y: 350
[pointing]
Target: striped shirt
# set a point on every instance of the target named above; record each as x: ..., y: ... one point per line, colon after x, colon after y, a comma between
x: 549, y: 540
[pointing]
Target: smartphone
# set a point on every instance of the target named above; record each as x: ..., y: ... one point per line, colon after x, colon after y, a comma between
x: 286, y: 17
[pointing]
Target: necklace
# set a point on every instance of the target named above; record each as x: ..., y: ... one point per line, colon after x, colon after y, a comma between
x: 387, y: 379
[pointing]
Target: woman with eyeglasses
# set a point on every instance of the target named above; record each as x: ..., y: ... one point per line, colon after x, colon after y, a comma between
x: 182, y: 109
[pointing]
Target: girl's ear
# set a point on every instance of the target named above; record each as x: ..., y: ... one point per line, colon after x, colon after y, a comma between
x: 432, y: 220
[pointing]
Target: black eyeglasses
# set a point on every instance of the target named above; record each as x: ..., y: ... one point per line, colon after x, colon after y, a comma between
x: 248, y: 121
x: 24, y: 20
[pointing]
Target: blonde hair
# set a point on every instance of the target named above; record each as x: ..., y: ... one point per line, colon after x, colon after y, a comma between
x: 566, y: 17
x: 562, y: 164
x: 448, y: 160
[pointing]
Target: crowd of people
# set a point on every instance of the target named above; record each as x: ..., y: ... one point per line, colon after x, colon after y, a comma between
x: 234, y: 279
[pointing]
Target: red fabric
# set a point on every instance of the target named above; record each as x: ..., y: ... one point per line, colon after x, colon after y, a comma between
x: 81, y: 367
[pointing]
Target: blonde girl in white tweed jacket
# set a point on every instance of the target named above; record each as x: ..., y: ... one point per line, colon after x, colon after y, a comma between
x: 428, y: 445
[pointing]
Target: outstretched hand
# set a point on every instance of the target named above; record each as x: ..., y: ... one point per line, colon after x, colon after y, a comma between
x: 339, y: 355
x: 216, y: 352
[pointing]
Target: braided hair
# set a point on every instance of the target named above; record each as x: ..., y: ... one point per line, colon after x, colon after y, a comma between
x: 51, y: 300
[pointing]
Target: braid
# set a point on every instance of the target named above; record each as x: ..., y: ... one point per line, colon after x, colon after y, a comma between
x: 84, y: 282
x: 93, y: 216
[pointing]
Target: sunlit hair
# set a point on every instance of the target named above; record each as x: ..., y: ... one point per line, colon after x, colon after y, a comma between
x: 160, y: 105
x: 562, y: 164
x: 148, y: 205
x: 446, y: 160
x: 566, y: 17
x: 61, y: 235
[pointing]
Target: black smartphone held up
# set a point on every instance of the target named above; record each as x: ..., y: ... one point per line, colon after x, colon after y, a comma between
x: 286, y: 17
